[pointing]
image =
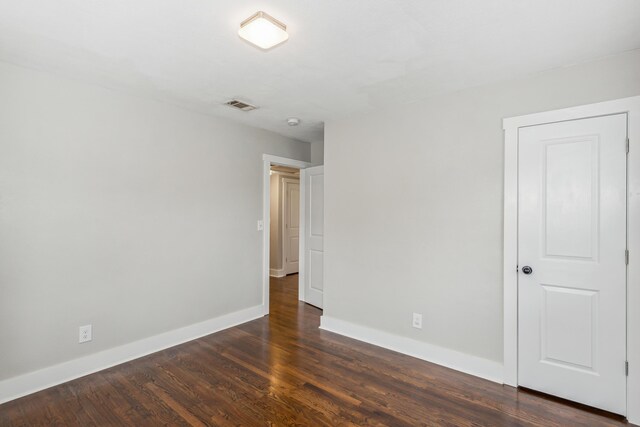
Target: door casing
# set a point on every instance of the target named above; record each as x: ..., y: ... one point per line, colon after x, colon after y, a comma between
x: 631, y: 106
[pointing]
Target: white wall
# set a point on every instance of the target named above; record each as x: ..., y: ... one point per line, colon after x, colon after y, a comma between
x: 132, y: 215
x: 317, y: 153
x: 414, y: 199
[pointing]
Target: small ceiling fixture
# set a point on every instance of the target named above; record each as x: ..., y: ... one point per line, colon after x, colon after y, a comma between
x: 263, y: 30
x: 293, y: 121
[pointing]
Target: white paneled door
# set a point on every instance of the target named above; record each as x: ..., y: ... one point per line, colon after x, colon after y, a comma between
x: 314, y: 235
x: 291, y: 190
x: 571, y: 260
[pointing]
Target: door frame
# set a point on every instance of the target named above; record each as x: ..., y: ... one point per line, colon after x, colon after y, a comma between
x: 631, y: 106
x: 267, y: 161
x: 283, y: 208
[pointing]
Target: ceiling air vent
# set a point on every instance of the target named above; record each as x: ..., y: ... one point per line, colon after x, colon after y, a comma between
x: 240, y: 105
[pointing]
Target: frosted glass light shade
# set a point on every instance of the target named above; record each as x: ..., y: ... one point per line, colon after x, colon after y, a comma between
x: 263, y: 31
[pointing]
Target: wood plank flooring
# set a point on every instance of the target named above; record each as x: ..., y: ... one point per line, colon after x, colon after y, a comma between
x: 283, y: 370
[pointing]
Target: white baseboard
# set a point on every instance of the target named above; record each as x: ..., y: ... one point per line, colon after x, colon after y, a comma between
x: 473, y: 365
x: 277, y: 272
x: 32, y: 382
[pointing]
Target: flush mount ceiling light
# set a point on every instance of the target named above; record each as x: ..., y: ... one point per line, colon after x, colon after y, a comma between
x: 293, y: 121
x: 263, y: 31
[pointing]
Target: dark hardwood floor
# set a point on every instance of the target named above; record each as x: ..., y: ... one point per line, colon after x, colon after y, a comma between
x: 283, y: 370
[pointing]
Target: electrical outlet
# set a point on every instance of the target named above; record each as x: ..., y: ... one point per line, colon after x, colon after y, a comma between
x: 260, y: 225
x: 417, y: 320
x: 84, y: 334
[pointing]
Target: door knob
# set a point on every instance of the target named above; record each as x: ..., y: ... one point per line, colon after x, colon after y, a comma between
x: 527, y: 270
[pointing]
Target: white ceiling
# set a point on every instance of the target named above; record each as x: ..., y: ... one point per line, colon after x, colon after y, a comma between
x: 343, y: 56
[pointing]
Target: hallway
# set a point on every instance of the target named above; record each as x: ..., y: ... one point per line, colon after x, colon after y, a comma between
x: 283, y: 370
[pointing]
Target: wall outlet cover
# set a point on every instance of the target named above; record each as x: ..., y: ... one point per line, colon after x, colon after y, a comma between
x: 84, y: 334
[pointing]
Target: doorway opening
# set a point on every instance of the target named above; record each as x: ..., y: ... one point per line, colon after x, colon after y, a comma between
x: 284, y: 231
x: 284, y: 227
x: 293, y: 228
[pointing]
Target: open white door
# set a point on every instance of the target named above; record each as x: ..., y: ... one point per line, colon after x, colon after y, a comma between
x: 312, y: 273
x: 291, y: 229
x: 572, y: 271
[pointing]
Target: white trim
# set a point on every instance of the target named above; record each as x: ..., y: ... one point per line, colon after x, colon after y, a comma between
x: 276, y: 272
x: 473, y: 365
x: 267, y: 161
x: 284, y: 161
x: 32, y: 382
x: 631, y: 106
x: 303, y: 238
x: 510, y: 275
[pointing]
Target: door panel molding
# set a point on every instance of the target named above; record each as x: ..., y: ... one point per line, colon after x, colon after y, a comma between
x: 511, y: 126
